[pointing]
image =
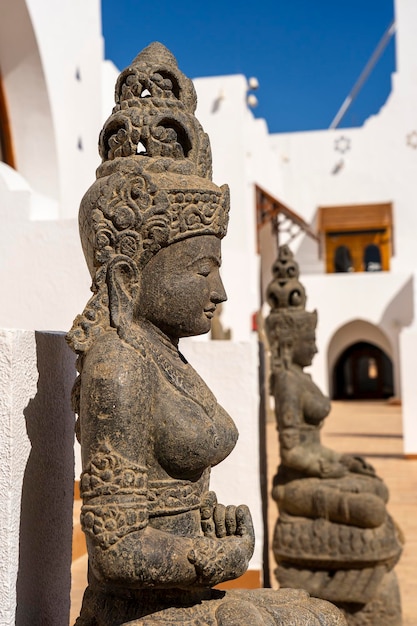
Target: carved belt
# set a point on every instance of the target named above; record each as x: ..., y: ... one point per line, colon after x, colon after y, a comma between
x: 169, y: 497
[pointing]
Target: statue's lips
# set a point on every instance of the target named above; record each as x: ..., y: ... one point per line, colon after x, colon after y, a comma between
x: 209, y: 313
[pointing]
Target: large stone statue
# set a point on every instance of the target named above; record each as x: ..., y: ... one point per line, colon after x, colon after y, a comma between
x: 333, y: 536
x: 150, y: 429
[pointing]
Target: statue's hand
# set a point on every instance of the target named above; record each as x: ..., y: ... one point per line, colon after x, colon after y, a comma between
x: 209, y: 558
x: 358, y: 465
x: 222, y: 521
x: 329, y: 469
x: 234, y: 521
x: 224, y: 552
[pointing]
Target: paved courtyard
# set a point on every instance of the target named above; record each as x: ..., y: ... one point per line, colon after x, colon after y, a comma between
x: 373, y: 429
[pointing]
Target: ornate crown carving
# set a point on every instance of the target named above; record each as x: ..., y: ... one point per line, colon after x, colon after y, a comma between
x: 154, y: 184
x: 287, y: 298
x: 285, y: 290
x: 155, y: 105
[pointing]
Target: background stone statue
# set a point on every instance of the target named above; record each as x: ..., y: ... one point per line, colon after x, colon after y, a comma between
x: 219, y: 333
x: 333, y: 536
x: 150, y: 429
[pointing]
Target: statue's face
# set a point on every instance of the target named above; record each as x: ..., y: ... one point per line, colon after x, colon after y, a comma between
x: 181, y: 286
x: 304, y: 349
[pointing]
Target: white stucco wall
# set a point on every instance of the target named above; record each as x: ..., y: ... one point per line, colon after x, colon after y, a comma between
x: 408, y: 346
x: 58, y: 91
x: 382, y: 300
x: 18, y: 379
x: 52, y: 82
x: 36, y: 478
x: 240, y: 158
x: 43, y: 275
x: 72, y: 30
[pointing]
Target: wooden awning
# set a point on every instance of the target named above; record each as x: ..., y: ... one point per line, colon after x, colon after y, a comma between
x: 359, y: 217
x: 283, y: 219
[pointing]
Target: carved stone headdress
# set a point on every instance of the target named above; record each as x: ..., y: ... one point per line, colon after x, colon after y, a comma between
x: 287, y: 299
x: 153, y: 186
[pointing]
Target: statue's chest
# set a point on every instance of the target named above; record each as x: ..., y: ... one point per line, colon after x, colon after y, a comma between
x: 191, y: 432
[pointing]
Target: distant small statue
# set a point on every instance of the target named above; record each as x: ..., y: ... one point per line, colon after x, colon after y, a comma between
x: 333, y: 536
x: 218, y: 333
x: 150, y: 429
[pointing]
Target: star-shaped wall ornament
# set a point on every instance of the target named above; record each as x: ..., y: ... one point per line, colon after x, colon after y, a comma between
x: 412, y: 139
x: 342, y: 144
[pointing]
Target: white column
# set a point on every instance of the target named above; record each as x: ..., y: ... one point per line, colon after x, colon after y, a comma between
x: 408, y: 357
x: 36, y: 478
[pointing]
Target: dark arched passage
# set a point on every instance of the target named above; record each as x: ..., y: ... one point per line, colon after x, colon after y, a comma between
x: 363, y: 371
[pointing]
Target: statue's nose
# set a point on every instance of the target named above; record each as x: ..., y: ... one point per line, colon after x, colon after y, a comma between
x: 218, y: 293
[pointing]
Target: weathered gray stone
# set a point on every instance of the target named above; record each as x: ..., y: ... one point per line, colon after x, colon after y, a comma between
x: 333, y: 536
x: 149, y: 427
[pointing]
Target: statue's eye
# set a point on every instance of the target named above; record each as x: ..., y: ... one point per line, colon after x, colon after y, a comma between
x: 204, y: 270
x: 204, y: 266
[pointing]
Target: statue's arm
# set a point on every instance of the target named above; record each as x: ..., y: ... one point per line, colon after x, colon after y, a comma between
x: 287, y: 394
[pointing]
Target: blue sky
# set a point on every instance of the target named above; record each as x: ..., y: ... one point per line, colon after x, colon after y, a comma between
x: 306, y: 54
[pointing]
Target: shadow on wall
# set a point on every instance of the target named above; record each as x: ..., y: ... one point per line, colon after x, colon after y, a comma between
x: 400, y: 311
x: 44, y: 574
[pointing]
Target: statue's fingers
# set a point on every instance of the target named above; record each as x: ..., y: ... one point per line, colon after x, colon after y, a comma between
x: 208, y: 503
x: 192, y: 557
x: 208, y: 528
x: 211, y: 497
x: 244, y: 524
x: 230, y: 519
x: 219, y: 516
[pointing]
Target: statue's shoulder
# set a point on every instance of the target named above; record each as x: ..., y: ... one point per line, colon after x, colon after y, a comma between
x: 288, y: 375
x: 111, y: 352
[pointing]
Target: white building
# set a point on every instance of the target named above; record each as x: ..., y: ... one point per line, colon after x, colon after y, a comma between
x: 51, y: 84
x: 356, y: 189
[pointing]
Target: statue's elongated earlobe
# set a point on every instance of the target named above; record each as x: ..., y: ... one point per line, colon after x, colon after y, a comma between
x: 123, y: 285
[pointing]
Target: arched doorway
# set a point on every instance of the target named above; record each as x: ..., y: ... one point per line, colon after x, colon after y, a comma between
x: 363, y: 371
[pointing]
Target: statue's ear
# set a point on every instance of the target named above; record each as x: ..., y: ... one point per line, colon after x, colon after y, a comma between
x: 123, y: 285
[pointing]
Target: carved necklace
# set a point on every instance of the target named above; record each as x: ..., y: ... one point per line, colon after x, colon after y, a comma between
x: 147, y: 338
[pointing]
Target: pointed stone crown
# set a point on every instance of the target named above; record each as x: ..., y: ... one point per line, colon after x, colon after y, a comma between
x: 154, y: 184
x: 154, y: 115
x: 285, y: 290
x: 287, y: 299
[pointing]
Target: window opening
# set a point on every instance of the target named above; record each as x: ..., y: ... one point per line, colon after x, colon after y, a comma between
x: 366, y: 231
x: 343, y: 260
x: 372, y: 258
